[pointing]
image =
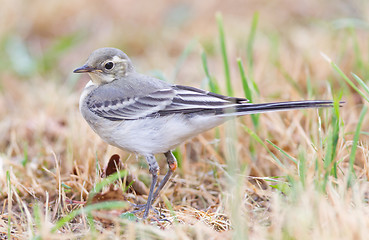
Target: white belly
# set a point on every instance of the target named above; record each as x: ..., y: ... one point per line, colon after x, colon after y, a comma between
x: 155, y: 135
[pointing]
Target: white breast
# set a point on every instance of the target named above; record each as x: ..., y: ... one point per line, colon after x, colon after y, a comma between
x: 88, y: 88
x: 153, y: 135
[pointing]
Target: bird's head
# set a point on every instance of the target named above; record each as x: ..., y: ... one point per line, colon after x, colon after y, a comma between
x: 105, y: 65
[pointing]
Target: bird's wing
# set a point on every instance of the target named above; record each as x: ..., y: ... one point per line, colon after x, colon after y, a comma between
x: 190, y: 100
x: 176, y: 99
x: 115, y: 106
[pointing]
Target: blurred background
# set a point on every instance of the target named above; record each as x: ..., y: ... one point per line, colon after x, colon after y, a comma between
x: 39, y: 37
x: 279, y: 42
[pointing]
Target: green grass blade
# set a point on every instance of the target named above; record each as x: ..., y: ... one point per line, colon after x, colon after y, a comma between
x: 283, y: 187
x: 91, y: 223
x: 245, y: 84
x: 257, y: 138
x: 351, y: 172
x: 88, y: 209
x: 335, y: 136
x: 289, y: 78
x: 106, y: 181
x: 348, y: 80
x: 25, y: 155
x: 183, y: 58
x: 302, y: 167
x: 309, y: 86
x: 330, y: 165
x: 37, y: 214
x: 224, y: 54
x: 213, y: 85
x: 247, y: 91
x: 97, y: 166
x: 250, y: 43
x: 283, y: 152
x: 344, y: 76
x: 171, y: 209
x: 178, y: 155
x: 60, y: 46
x: 362, y: 83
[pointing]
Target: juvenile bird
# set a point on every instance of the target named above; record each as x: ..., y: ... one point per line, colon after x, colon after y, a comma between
x: 147, y: 116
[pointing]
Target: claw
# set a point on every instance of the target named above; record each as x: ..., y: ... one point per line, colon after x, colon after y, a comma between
x: 142, y: 207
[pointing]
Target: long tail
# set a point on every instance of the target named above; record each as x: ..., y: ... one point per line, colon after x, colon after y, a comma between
x: 252, y: 108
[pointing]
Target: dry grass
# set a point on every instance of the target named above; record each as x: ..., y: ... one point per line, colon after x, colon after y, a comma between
x: 49, y: 155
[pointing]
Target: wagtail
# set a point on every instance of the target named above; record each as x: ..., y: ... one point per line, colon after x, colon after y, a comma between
x: 147, y: 116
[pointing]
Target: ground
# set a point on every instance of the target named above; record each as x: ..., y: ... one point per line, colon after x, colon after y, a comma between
x: 289, y: 175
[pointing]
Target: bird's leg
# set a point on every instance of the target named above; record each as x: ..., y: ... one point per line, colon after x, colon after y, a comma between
x: 172, y: 166
x: 154, y: 169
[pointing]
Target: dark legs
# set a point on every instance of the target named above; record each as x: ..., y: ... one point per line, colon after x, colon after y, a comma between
x: 154, y: 169
x: 172, y: 165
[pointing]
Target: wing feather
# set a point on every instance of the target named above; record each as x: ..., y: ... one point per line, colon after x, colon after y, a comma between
x: 175, y: 100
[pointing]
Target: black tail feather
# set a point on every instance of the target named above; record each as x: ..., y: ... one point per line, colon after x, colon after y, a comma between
x: 250, y: 108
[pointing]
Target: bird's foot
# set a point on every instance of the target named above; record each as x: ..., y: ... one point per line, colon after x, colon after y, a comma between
x: 142, y: 208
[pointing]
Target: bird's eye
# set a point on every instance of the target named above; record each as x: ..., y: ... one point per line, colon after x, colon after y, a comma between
x: 109, y: 65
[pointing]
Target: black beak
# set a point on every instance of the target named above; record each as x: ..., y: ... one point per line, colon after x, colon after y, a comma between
x: 84, y: 69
